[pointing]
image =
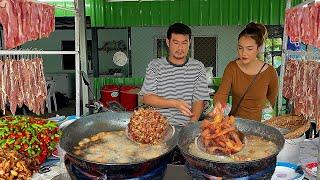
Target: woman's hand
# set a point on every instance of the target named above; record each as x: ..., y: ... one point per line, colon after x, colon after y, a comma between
x: 218, y: 109
x: 183, y: 107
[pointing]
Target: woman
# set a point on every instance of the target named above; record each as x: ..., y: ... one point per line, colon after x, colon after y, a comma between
x: 249, y: 77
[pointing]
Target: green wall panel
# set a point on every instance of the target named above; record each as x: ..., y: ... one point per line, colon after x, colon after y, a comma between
x: 191, y: 12
x: 195, y: 12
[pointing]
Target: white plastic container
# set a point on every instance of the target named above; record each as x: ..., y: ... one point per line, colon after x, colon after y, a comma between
x: 291, y: 150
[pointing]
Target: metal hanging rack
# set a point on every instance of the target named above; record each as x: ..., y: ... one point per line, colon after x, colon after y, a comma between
x: 287, y: 52
x: 79, y: 15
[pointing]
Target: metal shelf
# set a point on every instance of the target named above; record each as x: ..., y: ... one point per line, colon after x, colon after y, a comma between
x: 79, y: 16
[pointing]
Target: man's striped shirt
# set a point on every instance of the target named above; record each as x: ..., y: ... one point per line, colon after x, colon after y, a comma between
x: 187, y: 82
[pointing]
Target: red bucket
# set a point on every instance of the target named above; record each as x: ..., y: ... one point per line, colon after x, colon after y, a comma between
x: 109, y: 93
x: 129, y: 100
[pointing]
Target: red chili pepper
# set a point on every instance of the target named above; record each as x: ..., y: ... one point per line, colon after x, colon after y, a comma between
x: 56, y: 139
x: 46, y: 139
x: 25, y: 146
x: 11, y: 136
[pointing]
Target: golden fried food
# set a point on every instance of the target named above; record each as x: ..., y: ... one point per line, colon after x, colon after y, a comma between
x: 220, y: 135
x: 14, y: 166
x: 147, y: 126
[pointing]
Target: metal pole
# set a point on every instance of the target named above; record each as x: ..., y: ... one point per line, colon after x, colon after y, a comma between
x: 283, y: 62
x: 83, y: 52
x: 129, y: 53
x: 77, y: 56
x: 17, y: 52
x: 95, y: 52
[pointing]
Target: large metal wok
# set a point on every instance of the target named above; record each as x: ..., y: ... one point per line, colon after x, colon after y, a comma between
x: 265, y: 167
x: 85, y: 127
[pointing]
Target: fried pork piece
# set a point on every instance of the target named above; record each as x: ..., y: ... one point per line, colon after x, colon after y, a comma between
x: 15, y: 166
x: 220, y: 135
x: 147, y: 126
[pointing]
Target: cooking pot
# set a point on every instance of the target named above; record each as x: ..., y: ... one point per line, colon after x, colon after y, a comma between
x: 88, y: 126
x: 266, y: 165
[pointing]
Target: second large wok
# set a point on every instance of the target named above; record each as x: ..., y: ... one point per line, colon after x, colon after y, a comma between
x: 233, y: 169
x: 109, y: 121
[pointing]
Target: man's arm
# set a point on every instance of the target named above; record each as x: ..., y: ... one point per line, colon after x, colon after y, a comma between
x: 161, y: 102
x: 197, y: 109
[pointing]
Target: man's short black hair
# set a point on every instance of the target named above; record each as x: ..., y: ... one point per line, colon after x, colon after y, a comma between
x: 179, y: 28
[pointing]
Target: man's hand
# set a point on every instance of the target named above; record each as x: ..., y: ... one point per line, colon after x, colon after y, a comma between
x: 156, y: 101
x: 184, y: 107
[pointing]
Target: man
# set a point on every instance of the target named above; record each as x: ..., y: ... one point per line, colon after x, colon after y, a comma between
x: 176, y: 85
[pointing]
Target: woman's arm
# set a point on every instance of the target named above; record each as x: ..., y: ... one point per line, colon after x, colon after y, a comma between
x: 273, y: 87
x: 222, y: 94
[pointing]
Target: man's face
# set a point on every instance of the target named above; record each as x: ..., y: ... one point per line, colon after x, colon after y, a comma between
x: 178, y: 46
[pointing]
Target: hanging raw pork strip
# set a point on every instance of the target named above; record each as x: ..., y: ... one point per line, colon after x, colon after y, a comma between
x: 20, y: 77
x: 34, y: 86
x: 7, y: 78
x: 11, y: 87
x: 35, y: 22
x: 30, y: 86
x: 1, y: 90
x: 317, y: 96
x: 47, y: 23
x: 22, y: 37
x: 317, y: 28
x: 41, y: 85
x: 9, y: 23
x: 24, y: 21
x: 313, y: 28
x: 311, y: 89
x: 302, y: 24
x: 23, y: 82
x: 288, y: 78
x: 3, y: 87
x: 299, y: 101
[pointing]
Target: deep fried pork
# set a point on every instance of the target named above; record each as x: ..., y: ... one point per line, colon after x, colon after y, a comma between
x: 220, y: 135
x: 147, y: 126
x: 15, y: 166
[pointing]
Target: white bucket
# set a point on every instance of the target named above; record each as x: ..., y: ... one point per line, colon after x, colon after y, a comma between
x: 291, y: 150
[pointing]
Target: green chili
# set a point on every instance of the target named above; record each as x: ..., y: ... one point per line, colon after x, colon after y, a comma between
x: 17, y: 147
x: 11, y: 141
x: 3, y: 142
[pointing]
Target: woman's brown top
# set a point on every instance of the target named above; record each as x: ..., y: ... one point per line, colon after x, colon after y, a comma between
x: 265, y: 87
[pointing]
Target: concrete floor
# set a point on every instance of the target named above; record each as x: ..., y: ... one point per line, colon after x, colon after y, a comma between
x: 65, y: 111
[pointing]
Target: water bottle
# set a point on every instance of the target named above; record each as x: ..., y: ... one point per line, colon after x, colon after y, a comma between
x: 267, y: 112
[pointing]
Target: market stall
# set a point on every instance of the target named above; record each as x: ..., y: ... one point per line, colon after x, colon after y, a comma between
x: 81, y: 135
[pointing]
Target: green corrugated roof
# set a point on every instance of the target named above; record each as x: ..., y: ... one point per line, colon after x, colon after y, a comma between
x: 191, y: 12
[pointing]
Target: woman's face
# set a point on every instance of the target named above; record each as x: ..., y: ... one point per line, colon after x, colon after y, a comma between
x: 178, y: 46
x: 248, y: 49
